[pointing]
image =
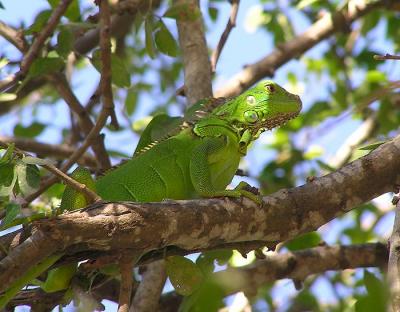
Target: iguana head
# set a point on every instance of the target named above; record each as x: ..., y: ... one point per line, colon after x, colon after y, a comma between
x: 263, y: 107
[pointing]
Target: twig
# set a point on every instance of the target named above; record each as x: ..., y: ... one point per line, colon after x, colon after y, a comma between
x: 229, y: 26
x: 126, y: 266
x: 38, y: 43
x: 386, y: 57
x: 394, y: 262
x: 59, y: 151
x: 13, y: 36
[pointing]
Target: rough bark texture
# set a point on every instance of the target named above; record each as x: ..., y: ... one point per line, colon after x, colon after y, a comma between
x: 150, y: 288
x: 394, y: 262
x: 196, y: 63
x: 196, y: 224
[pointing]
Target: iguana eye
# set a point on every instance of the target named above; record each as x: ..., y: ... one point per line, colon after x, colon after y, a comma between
x: 250, y: 116
x: 270, y: 88
x: 251, y: 100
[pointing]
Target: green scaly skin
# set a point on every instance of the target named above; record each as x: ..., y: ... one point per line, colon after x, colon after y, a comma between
x: 199, y: 160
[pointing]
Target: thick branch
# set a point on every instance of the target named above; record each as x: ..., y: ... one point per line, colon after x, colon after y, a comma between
x: 320, y: 30
x: 196, y: 64
x: 195, y: 224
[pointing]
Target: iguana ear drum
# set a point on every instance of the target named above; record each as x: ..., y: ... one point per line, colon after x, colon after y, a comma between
x: 250, y: 116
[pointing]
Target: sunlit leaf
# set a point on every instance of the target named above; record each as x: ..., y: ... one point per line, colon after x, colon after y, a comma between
x: 165, y: 41
x: 5, y: 97
x: 28, y: 178
x: 119, y: 73
x: 185, y: 275
x: 148, y: 27
x: 12, y: 211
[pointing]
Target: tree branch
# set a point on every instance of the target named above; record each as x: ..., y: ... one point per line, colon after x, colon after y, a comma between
x: 394, y: 262
x: 196, y: 64
x: 320, y: 30
x: 149, y: 290
x: 209, y: 223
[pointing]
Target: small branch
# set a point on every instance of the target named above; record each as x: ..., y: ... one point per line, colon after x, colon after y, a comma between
x: 34, y: 50
x: 105, y: 51
x: 394, y: 262
x: 126, y: 266
x: 92, y: 196
x: 229, y: 26
x: 14, y: 36
x: 61, y: 151
x: 149, y: 290
x: 386, y: 57
x: 196, y: 63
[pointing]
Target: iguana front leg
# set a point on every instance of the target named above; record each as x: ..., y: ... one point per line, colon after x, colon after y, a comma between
x: 200, y: 171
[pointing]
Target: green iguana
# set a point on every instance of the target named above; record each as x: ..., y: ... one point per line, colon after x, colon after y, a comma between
x: 197, y: 160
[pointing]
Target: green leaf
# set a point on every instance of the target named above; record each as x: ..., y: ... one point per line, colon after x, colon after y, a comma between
x: 209, y: 297
x: 131, y: 101
x: 30, y: 131
x: 2, y: 6
x: 213, y: 13
x: 5, y: 97
x: 377, y: 297
x: 119, y: 74
x: 183, y: 12
x: 73, y: 12
x: 7, y: 179
x: 65, y: 41
x: 308, y: 240
x: 45, y: 65
x: 372, y: 146
x: 28, y: 178
x: 185, y: 276
x: 40, y: 20
x: 148, y: 29
x: 325, y: 166
x: 8, y: 154
x: 12, y: 211
x: 165, y: 41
